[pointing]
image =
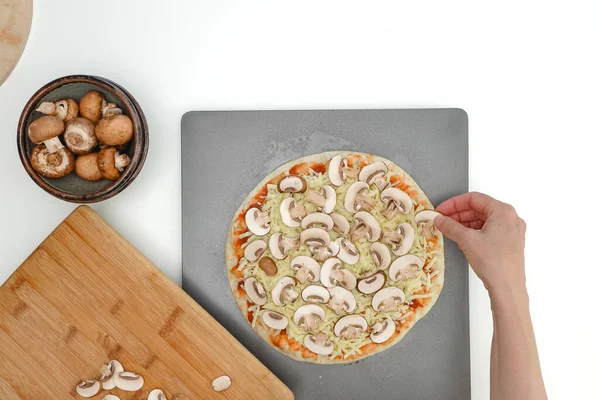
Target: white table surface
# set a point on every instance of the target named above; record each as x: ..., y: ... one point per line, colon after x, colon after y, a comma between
x: 527, y: 73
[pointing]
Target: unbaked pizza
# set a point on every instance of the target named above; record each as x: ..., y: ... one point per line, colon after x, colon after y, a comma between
x: 334, y: 257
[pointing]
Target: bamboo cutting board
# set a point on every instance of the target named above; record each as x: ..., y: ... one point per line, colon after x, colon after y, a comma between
x: 86, y: 296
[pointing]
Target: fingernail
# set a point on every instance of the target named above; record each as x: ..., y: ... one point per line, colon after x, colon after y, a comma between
x: 438, y: 220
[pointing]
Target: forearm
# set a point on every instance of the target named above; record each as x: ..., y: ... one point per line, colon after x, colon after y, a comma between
x: 515, y: 365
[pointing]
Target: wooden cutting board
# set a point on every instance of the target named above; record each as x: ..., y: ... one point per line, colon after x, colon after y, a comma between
x: 15, y: 23
x: 86, y: 296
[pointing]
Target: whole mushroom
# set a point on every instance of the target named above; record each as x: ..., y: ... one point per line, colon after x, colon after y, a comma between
x: 46, y: 130
x: 79, y: 136
x: 86, y: 167
x: 114, y: 130
x: 65, y: 109
x: 55, y: 165
x: 90, y: 106
x: 111, y: 163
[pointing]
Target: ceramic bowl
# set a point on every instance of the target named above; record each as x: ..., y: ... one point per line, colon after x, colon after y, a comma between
x: 72, y: 188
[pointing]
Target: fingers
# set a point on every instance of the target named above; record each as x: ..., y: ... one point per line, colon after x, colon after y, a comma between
x: 468, y: 216
x: 453, y: 229
x: 477, y: 225
x: 478, y: 202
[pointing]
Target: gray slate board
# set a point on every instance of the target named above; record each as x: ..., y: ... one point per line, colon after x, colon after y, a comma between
x: 226, y: 153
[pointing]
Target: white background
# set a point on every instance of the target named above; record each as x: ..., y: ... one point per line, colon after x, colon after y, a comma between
x: 526, y: 72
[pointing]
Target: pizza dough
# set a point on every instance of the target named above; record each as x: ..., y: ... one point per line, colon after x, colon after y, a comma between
x: 333, y: 261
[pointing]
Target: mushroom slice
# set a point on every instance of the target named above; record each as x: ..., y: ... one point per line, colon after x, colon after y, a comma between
x: 79, y: 136
x: 381, y: 255
x: 350, y: 326
x: 307, y: 317
x: 52, y: 165
x: 404, y: 267
x: 113, y: 397
x: 395, y: 201
x: 388, y: 299
x: 255, y: 291
x: 401, y: 239
x: 291, y: 212
x: 254, y: 250
x: 108, y: 372
x: 307, y: 269
x: 348, y: 281
x: 221, y: 383
x: 315, y: 237
x: 319, y: 344
x: 382, y: 330
x: 348, y: 251
x: 341, y: 300
x: 258, y: 221
x: 372, y: 283
x: 332, y: 273
x: 365, y: 225
x: 284, y: 291
x: 292, y: 184
x: 129, y: 381
x: 280, y: 245
x: 324, y: 199
x: 88, y: 388
x: 334, y: 170
x: 356, y: 198
x: 157, y: 394
x: 424, y: 220
x: 340, y: 224
x: 317, y: 220
x: 268, y: 266
x: 324, y: 252
x: 315, y: 294
x: 274, y: 320
x: 374, y: 174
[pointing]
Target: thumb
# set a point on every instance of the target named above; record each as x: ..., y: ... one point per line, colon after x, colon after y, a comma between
x: 451, y: 228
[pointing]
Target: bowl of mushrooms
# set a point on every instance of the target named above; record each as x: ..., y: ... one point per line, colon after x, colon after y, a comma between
x: 82, y: 138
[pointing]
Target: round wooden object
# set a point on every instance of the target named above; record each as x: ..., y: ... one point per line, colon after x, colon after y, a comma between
x: 15, y: 23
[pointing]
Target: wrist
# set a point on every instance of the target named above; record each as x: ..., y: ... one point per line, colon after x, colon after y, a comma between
x: 509, y: 293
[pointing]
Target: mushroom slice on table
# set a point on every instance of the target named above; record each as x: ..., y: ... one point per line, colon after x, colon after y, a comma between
x: 404, y: 267
x: 268, y: 266
x: 129, y: 381
x: 284, y: 291
x: 315, y: 294
x: 424, y: 220
x: 356, y: 198
x: 280, y: 245
x: 111, y: 163
x: 388, y: 299
x: 114, y: 130
x: 322, y: 253
x: 307, y: 269
x: 401, y: 239
x: 319, y: 343
x: 90, y: 106
x: 395, y: 201
x: 157, y: 394
x: 324, y: 199
x: 52, y: 165
x: 340, y: 224
x: 46, y: 130
x: 314, y: 237
x: 115, y: 397
x: 292, y: 184
x: 332, y: 273
x: 274, y: 320
x: 341, y: 300
x: 365, y: 225
x: 317, y: 220
x: 108, y: 372
x: 257, y: 221
x: 221, y: 383
x: 374, y: 174
x: 255, y: 291
x: 372, y: 283
x: 348, y: 251
x: 65, y: 109
x: 307, y: 317
x: 381, y: 255
x: 88, y: 388
x: 350, y: 326
x: 291, y: 212
x: 382, y: 330
x: 79, y: 136
x: 254, y: 250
